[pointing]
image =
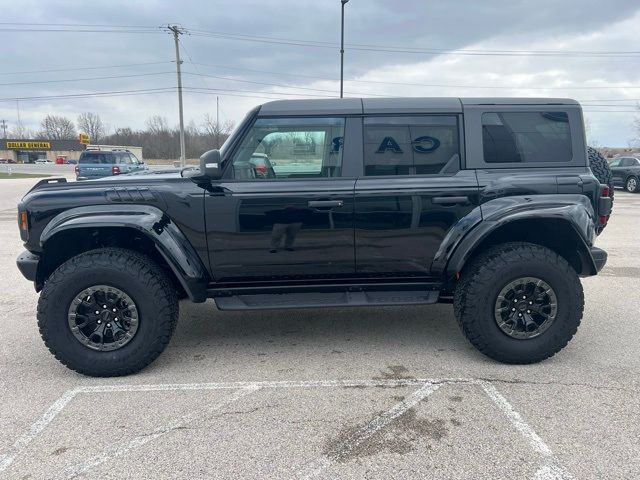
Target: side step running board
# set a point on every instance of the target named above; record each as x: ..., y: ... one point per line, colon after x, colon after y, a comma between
x: 325, y: 299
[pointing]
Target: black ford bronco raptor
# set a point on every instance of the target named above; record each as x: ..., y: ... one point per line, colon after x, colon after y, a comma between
x: 489, y: 204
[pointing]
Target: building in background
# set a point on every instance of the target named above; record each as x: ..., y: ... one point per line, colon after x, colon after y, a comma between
x: 28, y: 151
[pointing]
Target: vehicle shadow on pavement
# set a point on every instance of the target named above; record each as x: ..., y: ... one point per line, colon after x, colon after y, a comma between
x: 346, y: 334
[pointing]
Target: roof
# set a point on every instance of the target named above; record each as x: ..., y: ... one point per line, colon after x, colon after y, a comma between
x: 358, y: 106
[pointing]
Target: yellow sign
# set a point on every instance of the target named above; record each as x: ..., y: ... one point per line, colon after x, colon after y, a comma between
x: 84, y: 139
x: 27, y: 145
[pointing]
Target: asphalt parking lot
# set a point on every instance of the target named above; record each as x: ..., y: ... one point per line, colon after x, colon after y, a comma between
x: 334, y: 393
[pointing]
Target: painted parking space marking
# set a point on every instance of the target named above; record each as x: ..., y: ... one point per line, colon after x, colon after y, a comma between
x: 548, y: 469
x: 316, y: 468
x: 140, y: 440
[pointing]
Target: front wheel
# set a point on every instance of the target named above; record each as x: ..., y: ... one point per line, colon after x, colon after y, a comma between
x: 107, y: 312
x: 519, y: 302
x: 631, y: 185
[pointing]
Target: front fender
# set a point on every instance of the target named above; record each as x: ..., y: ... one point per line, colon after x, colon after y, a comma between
x: 575, y: 210
x: 149, y: 221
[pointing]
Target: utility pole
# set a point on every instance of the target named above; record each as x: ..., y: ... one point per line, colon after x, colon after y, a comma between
x: 342, y: 48
x: 3, y: 124
x: 176, y: 32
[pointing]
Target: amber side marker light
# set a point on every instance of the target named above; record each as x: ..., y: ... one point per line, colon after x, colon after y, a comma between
x: 24, y: 224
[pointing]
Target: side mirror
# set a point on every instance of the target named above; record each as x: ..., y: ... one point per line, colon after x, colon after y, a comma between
x: 210, y: 164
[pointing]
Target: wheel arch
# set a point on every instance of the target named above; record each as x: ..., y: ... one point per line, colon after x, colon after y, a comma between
x: 143, y: 229
x: 554, y: 231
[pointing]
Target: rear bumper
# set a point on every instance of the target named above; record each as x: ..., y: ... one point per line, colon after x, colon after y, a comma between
x: 599, y: 257
x: 28, y: 264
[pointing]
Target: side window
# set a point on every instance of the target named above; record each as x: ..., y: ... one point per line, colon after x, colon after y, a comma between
x: 121, y: 158
x: 133, y: 159
x: 282, y: 148
x: 526, y: 137
x: 419, y: 145
x: 634, y: 162
x: 615, y: 163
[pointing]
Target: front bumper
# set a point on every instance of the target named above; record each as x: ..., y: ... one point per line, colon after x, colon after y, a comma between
x: 599, y: 257
x: 28, y: 264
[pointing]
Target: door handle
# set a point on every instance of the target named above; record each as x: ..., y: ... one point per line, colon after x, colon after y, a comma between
x: 328, y: 204
x: 450, y: 200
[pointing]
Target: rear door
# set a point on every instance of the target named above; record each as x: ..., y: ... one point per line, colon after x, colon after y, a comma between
x: 411, y: 192
x: 284, y: 209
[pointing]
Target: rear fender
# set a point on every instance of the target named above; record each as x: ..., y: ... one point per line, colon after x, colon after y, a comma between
x: 574, y: 211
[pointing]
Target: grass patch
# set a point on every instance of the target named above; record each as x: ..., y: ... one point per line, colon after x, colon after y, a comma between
x: 5, y: 175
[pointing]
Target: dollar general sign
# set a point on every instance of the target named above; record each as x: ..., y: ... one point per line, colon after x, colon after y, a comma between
x: 28, y: 145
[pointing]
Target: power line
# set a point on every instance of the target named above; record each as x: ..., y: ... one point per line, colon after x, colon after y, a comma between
x: 85, y: 79
x: 277, y: 84
x: 106, y: 28
x: 91, y: 94
x: 417, y: 50
x: 72, y: 69
x: 75, y: 30
x: 409, y: 84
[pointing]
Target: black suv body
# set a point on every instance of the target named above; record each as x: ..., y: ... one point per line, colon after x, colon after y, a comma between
x: 486, y: 203
x: 625, y: 172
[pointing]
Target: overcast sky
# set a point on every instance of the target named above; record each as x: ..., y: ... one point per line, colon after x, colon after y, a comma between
x: 446, y: 47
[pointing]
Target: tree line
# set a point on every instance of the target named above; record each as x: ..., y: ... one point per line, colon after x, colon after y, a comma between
x: 157, y: 139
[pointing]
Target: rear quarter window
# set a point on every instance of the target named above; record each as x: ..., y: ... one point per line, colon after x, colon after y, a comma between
x: 526, y: 137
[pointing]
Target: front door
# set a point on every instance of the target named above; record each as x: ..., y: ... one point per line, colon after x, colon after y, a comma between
x: 411, y: 194
x: 283, y: 210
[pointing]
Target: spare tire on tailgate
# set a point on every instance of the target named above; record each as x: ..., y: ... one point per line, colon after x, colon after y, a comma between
x: 600, y: 168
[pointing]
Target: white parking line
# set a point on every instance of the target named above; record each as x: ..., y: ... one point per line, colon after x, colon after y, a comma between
x: 316, y: 468
x: 549, y: 469
x: 25, y: 439
x: 120, y: 449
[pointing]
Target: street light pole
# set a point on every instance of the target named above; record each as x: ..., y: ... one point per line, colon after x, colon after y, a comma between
x: 342, y: 50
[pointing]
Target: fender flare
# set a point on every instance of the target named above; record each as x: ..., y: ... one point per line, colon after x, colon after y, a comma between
x: 574, y: 210
x: 152, y: 223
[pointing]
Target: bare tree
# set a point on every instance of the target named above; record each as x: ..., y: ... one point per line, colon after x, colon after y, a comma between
x: 91, y: 124
x: 20, y: 131
x: 217, y: 131
x: 635, y: 141
x: 57, y: 128
x: 157, y: 125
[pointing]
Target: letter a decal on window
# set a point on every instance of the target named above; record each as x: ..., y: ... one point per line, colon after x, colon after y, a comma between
x: 389, y: 144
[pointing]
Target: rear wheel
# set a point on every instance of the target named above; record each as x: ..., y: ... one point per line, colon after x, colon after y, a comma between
x: 107, y: 312
x: 519, y: 302
x: 631, y: 185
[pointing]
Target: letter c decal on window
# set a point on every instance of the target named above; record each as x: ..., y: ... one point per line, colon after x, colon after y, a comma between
x: 425, y: 144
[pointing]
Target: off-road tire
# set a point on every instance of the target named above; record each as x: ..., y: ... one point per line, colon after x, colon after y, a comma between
x: 630, y: 188
x: 133, y: 273
x: 600, y: 168
x: 487, y: 274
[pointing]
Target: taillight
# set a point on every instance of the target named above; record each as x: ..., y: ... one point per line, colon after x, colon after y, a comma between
x: 261, y: 168
x: 115, y: 170
x: 605, y: 191
x: 604, y: 219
